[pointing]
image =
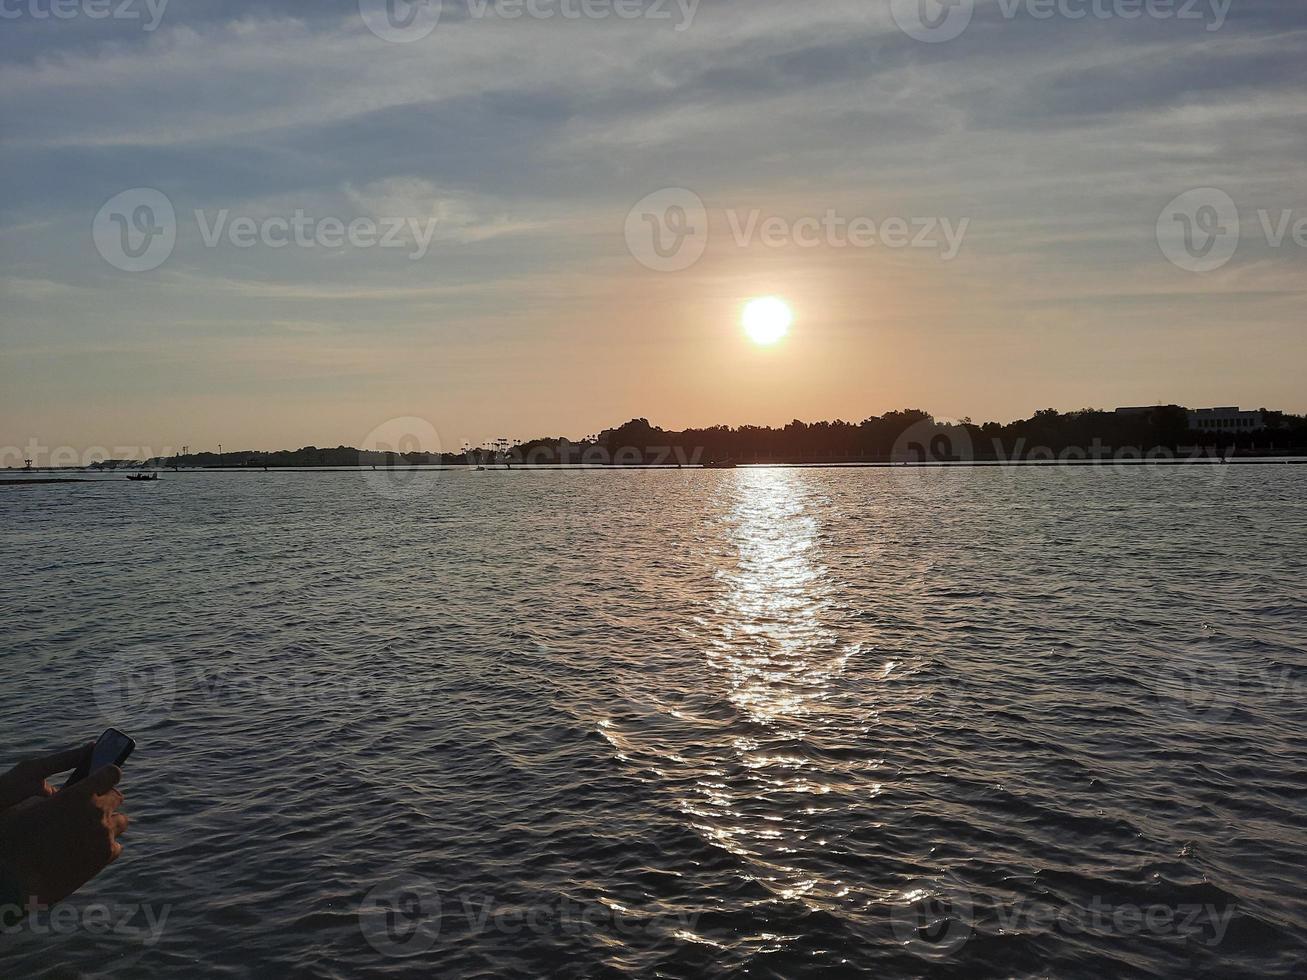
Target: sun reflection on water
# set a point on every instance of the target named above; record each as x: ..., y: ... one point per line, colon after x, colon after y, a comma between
x: 754, y: 734
x: 776, y: 648
x: 781, y: 662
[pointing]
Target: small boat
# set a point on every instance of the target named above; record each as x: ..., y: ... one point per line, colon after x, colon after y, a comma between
x: 725, y: 464
x: 142, y: 476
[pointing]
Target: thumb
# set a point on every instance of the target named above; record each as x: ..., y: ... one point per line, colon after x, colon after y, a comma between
x: 48, y: 765
x: 100, y: 781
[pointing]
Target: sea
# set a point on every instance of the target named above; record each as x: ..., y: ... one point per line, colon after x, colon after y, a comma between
x: 1008, y: 722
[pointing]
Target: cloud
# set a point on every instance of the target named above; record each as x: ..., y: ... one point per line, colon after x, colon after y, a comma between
x: 459, y: 216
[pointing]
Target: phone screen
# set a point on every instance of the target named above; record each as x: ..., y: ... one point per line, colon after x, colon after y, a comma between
x: 111, y: 749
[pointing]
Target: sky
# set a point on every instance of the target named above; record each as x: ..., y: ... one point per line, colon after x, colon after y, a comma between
x: 547, y: 225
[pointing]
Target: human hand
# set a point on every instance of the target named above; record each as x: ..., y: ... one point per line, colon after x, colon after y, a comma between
x: 52, y: 845
x: 28, y: 778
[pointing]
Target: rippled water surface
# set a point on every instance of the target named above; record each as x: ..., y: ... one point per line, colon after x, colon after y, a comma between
x: 760, y: 723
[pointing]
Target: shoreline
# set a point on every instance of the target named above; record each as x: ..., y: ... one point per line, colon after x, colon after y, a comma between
x: 108, y: 476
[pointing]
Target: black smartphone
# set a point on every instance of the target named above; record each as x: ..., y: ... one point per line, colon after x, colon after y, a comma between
x: 111, y: 749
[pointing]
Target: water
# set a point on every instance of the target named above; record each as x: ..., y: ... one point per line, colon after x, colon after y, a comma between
x: 760, y: 723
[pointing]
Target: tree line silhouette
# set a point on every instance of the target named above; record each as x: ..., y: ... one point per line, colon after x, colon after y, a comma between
x: 898, y: 436
x: 913, y: 433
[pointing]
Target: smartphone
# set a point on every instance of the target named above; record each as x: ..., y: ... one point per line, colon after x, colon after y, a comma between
x: 111, y: 749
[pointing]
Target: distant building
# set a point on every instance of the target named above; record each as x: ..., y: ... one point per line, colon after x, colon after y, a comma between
x: 1137, y: 411
x: 1225, y: 420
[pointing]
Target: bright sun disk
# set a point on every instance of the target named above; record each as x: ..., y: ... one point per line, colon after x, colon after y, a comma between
x: 767, y: 320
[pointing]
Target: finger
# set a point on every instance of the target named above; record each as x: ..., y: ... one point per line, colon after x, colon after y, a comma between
x: 118, y: 824
x: 103, y: 780
x: 111, y: 800
x: 114, y: 850
x: 98, y: 782
x: 48, y: 765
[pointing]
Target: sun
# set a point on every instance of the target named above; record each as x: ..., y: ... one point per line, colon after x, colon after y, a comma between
x: 767, y: 320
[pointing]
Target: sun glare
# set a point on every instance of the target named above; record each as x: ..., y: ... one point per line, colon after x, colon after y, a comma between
x: 767, y: 320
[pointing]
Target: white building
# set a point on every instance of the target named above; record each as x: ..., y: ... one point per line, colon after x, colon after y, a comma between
x: 1225, y: 420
